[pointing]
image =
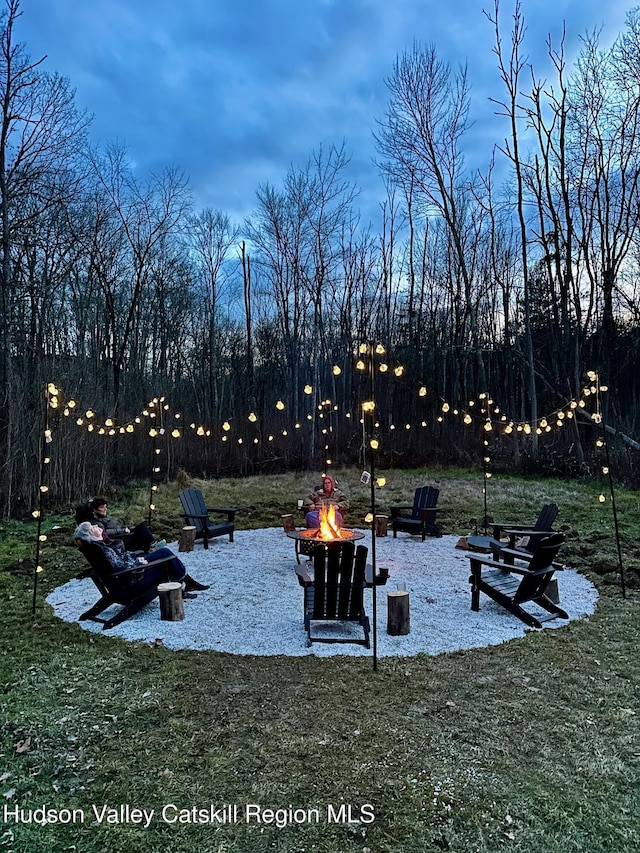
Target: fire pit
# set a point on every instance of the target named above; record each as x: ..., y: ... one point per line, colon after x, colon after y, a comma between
x: 329, y: 531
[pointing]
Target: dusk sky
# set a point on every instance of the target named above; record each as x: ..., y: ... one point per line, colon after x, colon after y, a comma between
x: 235, y: 92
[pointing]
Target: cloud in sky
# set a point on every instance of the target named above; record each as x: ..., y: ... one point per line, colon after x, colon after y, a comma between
x: 236, y: 93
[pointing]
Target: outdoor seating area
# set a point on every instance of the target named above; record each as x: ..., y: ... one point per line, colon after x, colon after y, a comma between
x: 264, y: 615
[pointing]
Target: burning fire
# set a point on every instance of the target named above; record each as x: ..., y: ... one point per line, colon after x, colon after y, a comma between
x: 329, y: 527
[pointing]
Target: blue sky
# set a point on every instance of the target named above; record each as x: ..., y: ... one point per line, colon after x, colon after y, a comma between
x: 235, y: 92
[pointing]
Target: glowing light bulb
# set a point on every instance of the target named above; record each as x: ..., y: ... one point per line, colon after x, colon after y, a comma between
x: 308, y: 389
x: 280, y: 405
x: 422, y: 392
x: 336, y: 370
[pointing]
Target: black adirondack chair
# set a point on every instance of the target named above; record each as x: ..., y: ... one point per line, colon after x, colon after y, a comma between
x: 422, y: 520
x: 117, y: 587
x: 542, y: 527
x: 522, y: 578
x: 336, y: 591
x: 196, y: 513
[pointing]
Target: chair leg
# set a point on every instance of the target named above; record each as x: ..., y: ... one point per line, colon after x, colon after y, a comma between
x: 474, y: 580
x: 131, y: 608
x: 98, y: 607
x: 550, y: 606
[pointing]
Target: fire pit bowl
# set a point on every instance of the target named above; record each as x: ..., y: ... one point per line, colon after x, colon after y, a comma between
x: 306, y: 540
x: 315, y: 536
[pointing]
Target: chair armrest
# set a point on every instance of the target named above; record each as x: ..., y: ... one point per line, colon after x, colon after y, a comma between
x: 394, y: 510
x: 426, y: 509
x: 304, y: 578
x: 516, y: 554
x: 527, y: 531
x: 141, y: 567
x: 193, y: 515
x: 485, y: 560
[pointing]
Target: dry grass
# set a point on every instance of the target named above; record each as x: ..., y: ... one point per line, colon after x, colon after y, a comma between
x: 531, y: 746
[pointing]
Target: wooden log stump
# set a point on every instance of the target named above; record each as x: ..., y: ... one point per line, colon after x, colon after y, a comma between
x: 187, y: 539
x: 552, y: 592
x: 381, y: 525
x: 171, y: 606
x: 288, y: 523
x: 398, y: 613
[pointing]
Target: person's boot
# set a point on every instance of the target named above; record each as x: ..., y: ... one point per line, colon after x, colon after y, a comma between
x: 191, y: 585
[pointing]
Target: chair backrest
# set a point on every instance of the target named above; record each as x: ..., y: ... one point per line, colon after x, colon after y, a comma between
x: 548, y: 515
x: 426, y: 496
x: 193, y: 504
x: 84, y: 512
x: 339, y: 581
x: 545, y: 552
x: 100, y: 565
x: 102, y: 573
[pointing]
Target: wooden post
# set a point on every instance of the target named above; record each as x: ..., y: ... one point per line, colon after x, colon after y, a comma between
x: 187, y: 538
x: 398, y: 613
x: 288, y: 524
x: 381, y: 525
x: 171, y: 606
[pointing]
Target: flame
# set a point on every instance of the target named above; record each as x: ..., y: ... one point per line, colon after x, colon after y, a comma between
x: 329, y: 527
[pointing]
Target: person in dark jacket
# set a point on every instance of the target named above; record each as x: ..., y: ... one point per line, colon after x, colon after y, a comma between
x: 137, y: 538
x: 119, y: 558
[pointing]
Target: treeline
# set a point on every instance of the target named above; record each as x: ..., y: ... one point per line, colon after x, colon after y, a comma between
x: 117, y: 290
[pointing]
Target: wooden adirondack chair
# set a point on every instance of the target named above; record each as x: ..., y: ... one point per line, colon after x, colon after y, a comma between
x: 542, y: 527
x: 126, y: 587
x: 512, y: 584
x: 196, y: 513
x: 423, y: 514
x: 336, y: 591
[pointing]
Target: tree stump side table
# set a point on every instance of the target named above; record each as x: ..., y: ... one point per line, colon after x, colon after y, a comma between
x: 381, y: 525
x: 398, y: 623
x: 187, y: 539
x: 171, y: 606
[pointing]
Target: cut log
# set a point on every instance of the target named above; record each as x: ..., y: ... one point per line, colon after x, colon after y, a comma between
x: 187, y: 538
x: 381, y: 525
x: 552, y: 592
x: 288, y: 523
x: 171, y: 606
x: 398, y: 613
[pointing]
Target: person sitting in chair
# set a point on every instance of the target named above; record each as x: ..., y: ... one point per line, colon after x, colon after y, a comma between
x: 326, y: 495
x: 119, y: 558
x: 139, y: 538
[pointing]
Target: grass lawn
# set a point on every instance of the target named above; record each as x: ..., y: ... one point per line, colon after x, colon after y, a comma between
x: 531, y: 746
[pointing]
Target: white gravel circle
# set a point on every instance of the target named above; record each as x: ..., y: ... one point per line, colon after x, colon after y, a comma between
x: 254, y: 604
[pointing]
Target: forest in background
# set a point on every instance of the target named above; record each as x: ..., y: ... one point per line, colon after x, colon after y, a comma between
x: 511, y: 288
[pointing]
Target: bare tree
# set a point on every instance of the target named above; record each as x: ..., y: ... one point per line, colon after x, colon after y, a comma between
x: 421, y: 143
x: 40, y: 135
